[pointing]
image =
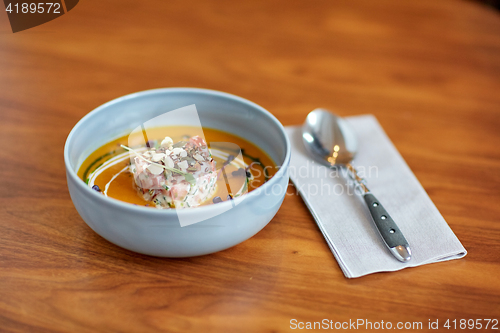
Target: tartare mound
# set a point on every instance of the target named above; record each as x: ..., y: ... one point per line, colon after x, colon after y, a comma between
x: 176, y: 175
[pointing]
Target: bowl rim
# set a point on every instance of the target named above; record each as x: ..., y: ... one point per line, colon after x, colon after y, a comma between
x: 170, y: 212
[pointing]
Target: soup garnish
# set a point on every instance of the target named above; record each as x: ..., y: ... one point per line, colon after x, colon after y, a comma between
x: 175, y: 176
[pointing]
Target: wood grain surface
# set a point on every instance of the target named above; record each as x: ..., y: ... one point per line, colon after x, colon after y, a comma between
x: 428, y: 70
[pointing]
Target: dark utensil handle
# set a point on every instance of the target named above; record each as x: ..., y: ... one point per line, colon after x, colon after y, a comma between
x: 388, y: 229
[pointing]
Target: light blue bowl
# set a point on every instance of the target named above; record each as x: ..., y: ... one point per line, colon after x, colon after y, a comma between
x: 159, y: 232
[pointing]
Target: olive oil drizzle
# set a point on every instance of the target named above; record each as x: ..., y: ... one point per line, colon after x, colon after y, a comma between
x: 254, y: 159
x: 86, y: 172
x: 257, y: 160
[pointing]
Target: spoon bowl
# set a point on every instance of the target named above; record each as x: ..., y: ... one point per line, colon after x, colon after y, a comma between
x: 329, y: 138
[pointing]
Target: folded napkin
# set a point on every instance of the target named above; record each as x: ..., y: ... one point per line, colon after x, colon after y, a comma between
x: 343, y: 217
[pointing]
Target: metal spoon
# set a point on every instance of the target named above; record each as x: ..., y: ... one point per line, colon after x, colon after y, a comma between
x: 331, y: 141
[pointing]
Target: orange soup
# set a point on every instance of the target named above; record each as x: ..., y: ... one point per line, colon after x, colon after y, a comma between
x: 230, y: 167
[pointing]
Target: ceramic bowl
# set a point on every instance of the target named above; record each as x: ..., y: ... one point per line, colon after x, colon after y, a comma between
x: 159, y: 232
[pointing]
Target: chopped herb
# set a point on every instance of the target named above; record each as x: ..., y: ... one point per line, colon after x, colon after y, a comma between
x: 180, y: 144
x: 190, y: 178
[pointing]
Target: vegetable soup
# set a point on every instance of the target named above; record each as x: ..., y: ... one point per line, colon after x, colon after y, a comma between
x: 177, y: 167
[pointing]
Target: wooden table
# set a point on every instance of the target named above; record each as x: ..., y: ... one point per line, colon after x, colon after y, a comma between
x: 428, y: 70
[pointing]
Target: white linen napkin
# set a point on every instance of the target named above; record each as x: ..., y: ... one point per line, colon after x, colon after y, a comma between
x: 343, y: 217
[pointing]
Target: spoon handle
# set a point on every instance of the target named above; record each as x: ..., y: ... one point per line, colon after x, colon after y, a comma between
x: 388, y: 229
